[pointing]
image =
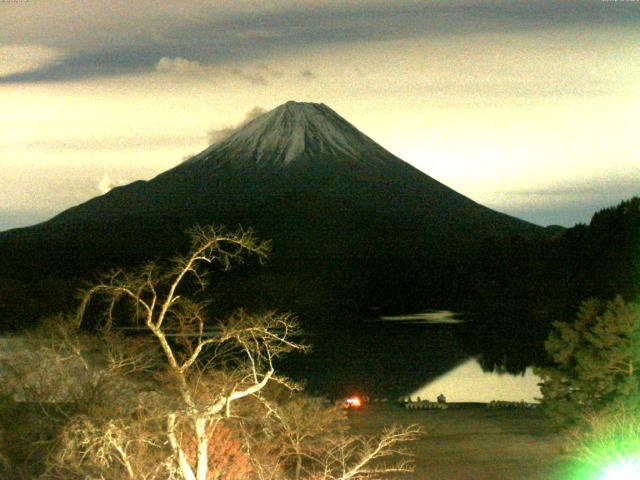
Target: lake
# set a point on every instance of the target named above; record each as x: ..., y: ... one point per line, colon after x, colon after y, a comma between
x: 392, y: 356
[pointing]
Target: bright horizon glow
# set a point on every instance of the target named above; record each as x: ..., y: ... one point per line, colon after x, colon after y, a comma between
x: 500, y: 101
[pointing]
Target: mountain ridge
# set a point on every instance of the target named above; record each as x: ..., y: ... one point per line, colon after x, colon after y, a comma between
x: 360, y: 214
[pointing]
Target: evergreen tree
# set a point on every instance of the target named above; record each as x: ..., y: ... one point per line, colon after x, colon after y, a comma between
x: 597, y: 358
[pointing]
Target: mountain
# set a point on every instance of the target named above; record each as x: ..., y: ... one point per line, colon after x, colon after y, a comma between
x: 295, y: 133
x: 333, y: 201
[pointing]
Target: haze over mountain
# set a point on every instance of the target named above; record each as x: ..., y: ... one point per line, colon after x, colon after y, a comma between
x: 301, y: 175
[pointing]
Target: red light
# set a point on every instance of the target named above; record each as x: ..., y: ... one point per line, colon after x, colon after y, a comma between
x: 353, y: 402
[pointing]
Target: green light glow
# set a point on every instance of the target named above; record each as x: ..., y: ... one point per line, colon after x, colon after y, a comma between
x: 627, y: 470
x: 608, y: 446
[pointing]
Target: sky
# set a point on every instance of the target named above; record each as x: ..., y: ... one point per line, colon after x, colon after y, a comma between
x: 528, y: 107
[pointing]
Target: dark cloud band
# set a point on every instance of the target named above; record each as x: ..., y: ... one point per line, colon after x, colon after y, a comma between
x: 234, y: 39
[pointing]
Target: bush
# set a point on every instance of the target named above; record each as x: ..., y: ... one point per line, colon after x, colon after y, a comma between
x: 597, y: 360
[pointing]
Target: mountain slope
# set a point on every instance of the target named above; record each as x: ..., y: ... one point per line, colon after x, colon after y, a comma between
x: 328, y: 196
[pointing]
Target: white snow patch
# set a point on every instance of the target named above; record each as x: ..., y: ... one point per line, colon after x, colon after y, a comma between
x: 296, y: 130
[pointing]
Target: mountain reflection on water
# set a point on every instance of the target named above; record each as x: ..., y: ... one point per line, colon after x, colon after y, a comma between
x: 389, y: 356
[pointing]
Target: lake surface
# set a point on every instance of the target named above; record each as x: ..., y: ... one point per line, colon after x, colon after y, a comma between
x: 392, y: 356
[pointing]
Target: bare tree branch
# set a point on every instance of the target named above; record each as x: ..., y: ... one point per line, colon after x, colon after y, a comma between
x: 149, y: 406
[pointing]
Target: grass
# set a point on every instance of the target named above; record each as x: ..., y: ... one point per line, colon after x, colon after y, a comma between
x: 474, y: 443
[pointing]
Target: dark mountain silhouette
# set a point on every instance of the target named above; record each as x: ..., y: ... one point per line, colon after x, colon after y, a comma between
x: 335, y: 203
x: 353, y: 227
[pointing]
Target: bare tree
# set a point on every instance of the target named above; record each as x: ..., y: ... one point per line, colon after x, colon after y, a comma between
x: 359, y: 458
x: 60, y: 380
x: 244, y: 346
x: 304, y: 422
x: 188, y: 397
x: 314, y: 444
x: 302, y: 430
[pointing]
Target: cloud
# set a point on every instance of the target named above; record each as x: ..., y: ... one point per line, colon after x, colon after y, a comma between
x: 269, y: 70
x: 104, y: 39
x: 106, y: 183
x: 218, y: 134
x: 578, y: 190
x: 16, y: 218
x: 182, y: 67
x: 105, y: 143
x: 15, y: 59
x: 566, y: 203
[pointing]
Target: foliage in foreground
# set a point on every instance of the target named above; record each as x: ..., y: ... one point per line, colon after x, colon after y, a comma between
x: 188, y: 398
x: 607, y: 439
x: 597, y: 360
x: 593, y: 389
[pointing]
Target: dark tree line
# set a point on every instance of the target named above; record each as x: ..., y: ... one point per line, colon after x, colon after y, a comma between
x: 513, y: 288
x: 524, y: 285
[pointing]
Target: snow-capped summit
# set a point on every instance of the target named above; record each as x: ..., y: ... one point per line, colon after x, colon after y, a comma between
x: 302, y: 176
x: 293, y: 132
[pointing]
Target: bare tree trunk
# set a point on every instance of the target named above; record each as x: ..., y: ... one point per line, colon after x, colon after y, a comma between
x: 183, y: 463
x: 203, y: 448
